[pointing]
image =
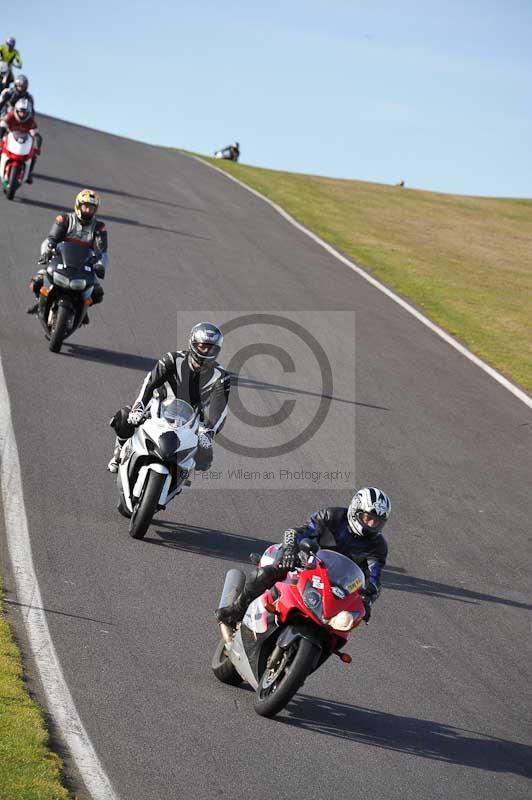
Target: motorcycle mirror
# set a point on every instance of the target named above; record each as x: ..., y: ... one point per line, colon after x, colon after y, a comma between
x: 254, y: 558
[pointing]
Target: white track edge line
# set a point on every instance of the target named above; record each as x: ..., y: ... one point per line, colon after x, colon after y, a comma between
x: 493, y: 373
x: 59, y: 700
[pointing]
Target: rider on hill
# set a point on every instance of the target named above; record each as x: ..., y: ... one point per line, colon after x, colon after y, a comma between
x: 192, y: 375
x: 19, y: 91
x: 79, y: 226
x: 21, y: 119
x: 355, y: 532
x: 10, y: 55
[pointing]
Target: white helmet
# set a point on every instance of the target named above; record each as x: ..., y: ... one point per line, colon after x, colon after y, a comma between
x: 368, y: 511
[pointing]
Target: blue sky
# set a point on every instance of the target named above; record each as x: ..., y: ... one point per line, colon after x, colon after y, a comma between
x: 436, y: 93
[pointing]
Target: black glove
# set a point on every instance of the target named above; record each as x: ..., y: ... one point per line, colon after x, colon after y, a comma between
x: 370, y: 595
x: 290, y: 551
x: 371, y: 592
x: 44, y: 259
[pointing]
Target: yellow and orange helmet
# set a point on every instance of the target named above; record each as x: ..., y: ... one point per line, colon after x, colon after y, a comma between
x: 90, y: 200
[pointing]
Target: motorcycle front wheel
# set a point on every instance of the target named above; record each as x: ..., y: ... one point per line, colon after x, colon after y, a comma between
x: 60, y: 328
x: 147, y: 505
x: 12, y: 184
x: 285, y: 673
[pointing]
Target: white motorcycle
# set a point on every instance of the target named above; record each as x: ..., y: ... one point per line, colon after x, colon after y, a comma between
x: 155, y: 463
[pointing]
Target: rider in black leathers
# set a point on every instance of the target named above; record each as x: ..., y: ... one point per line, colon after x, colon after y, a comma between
x: 356, y: 532
x: 192, y: 375
x: 19, y: 91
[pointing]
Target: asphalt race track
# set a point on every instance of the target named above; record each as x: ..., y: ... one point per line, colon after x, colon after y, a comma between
x: 437, y: 702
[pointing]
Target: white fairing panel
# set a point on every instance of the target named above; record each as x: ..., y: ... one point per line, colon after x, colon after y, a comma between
x: 19, y: 145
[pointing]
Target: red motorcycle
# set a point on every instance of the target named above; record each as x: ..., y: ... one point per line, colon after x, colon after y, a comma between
x: 292, y: 629
x: 15, y: 160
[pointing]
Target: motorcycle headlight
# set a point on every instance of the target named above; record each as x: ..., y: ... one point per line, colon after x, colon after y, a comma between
x: 61, y: 280
x: 78, y: 284
x: 344, y: 621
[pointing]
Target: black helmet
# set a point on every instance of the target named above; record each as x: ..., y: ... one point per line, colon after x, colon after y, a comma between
x: 205, y: 342
x: 21, y: 83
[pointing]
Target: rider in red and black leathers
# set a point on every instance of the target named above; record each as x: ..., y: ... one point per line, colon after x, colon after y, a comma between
x: 355, y: 532
x: 192, y: 375
x: 24, y: 123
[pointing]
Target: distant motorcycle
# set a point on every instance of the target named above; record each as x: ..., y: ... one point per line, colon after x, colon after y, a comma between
x: 292, y: 629
x: 156, y: 461
x: 66, y: 292
x: 15, y: 160
x: 229, y: 153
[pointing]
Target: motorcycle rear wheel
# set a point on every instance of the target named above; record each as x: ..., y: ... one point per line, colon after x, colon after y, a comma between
x: 147, y: 506
x: 223, y: 668
x: 12, y: 184
x: 281, y: 680
x: 60, y: 329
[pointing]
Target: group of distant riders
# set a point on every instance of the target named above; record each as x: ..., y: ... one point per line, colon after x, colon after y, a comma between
x: 195, y: 376
x: 17, y: 107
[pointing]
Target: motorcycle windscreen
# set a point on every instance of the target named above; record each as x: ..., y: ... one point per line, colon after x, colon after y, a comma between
x: 74, y: 257
x: 176, y: 412
x: 20, y: 144
x: 342, y: 572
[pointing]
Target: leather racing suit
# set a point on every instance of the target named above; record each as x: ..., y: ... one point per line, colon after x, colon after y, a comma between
x: 206, y: 389
x: 68, y: 228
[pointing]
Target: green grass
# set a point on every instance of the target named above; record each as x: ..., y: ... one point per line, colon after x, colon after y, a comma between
x: 28, y: 769
x: 466, y: 262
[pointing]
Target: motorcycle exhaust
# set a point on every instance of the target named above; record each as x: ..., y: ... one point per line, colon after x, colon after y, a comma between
x: 233, y: 585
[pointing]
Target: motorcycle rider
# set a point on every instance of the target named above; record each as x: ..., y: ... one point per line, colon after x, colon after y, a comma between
x: 83, y: 227
x: 21, y: 119
x: 192, y: 375
x: 355, y: 532
x: 19, y: 91
x: 10, y: 55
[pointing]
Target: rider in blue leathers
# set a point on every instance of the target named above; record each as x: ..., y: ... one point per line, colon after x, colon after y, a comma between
x: 356, y: 532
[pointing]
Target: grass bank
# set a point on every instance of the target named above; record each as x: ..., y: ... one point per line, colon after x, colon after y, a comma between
x: 466, y: 262
x: 28, y: 769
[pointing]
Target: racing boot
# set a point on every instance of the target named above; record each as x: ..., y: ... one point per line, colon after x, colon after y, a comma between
x: 233, y: 614
x: 33, y: 309
x: 114, y: 463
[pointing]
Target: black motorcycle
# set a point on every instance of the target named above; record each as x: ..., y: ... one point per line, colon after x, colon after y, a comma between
x: 65, y: 296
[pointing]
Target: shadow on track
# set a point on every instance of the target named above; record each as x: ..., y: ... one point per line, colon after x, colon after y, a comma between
x: 113, y: 357
x: 119, y: 220
x: 206, y: 541
x: 242, y: 382
x: 118, y: 192
x: 417, y: 737
x: 61, y: 613
x: 395, y: 578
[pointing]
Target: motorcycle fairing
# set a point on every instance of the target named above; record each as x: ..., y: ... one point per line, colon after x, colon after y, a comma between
x: 137, y: 457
